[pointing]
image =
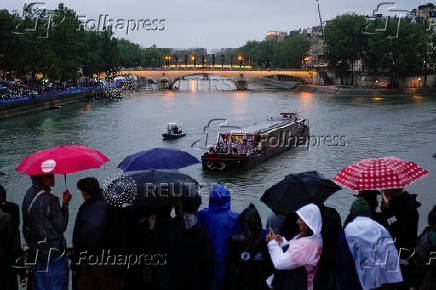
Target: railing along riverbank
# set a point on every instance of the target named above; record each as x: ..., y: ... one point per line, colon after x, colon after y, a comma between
x: 24, y: 105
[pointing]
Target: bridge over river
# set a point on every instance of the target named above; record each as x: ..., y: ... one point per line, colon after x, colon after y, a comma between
x: 240, y: 76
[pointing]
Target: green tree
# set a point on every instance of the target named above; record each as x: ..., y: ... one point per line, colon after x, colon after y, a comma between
x: 292, y: 50
x: 345, y: 42
x: 400, y: 56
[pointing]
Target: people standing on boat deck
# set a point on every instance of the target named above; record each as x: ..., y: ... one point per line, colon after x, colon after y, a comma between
x: 44, y: 224
x: 423, y: 262
x: 222, y: 223
x: 400, y: 214
x: 190, y: 260
x: 248, y: 263
x: 88, y: 239
x: 302, y: 255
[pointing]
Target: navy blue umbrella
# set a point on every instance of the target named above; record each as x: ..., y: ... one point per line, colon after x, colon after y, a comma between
x: 157, y: 158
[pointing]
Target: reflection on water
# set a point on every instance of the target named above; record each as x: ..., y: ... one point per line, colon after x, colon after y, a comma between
x: 400, y: 126
x: 199, y: 84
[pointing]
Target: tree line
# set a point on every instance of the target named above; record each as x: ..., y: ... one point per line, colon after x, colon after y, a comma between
x: 54, y: 44
x: 286, y: 53
x: 398, y: 47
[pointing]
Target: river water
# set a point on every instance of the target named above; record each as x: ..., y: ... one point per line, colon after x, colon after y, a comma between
x: 370, y: 127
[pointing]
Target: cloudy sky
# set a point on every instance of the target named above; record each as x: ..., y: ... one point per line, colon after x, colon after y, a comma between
x: 214, y: 24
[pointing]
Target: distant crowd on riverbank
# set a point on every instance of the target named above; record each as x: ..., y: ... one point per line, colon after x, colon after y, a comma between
x: 215, y: 248
x: 15, y: 91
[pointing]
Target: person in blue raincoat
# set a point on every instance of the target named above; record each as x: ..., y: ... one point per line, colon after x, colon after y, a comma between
x: 222, y: 224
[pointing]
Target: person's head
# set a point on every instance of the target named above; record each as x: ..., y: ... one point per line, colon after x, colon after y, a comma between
x: 89, y: 187
x: 389, y: 193
x: 432, y: 217
x: 250, y: 222
x: 360, y: 207
x: 47, y: 180
x: 371, y: 197
x: 190, y: 204
x: 309, y: 220
x: 219, y: 197
x: 303, y: 228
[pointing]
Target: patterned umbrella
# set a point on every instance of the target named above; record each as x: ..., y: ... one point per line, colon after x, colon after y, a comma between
x: 380, y: 173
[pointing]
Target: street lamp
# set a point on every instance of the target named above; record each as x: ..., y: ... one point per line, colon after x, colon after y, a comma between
x: 240, y: 58
x: 305, y: 60
x: 167, y: 59
x: 194, y: 59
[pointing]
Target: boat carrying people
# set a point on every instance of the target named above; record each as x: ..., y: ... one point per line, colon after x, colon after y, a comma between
x: 245, y: 148
x: 174, y: 130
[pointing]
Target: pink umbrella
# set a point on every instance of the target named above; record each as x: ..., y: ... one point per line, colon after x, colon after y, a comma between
x: 380, y: 173
x: 62, y: 160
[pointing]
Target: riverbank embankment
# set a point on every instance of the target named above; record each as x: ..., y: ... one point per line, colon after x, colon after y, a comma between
x: 351, y: 91
x: 13, y: 109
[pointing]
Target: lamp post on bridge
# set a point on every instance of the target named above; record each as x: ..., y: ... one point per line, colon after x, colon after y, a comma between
x: 167, y: 60
x: 222, y: 60
x: 194, y: 59
x: 213, y: 60
x: 231, y: 61
x: 202, y: 61
x: 241, y: 59
x: 186, y: 60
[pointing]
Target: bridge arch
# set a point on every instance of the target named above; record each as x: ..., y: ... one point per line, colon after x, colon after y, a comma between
x: 241, y: 76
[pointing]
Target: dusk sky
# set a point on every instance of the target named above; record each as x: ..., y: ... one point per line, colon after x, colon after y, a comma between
x: 223, y: 23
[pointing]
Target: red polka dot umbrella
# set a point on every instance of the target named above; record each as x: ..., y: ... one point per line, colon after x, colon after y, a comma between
x: 380, y: 173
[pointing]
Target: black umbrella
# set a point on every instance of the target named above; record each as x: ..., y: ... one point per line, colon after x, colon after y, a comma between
x: 1, y: 173
x: 152, y: 188
x: 434, y: 156
x: 297, y: 190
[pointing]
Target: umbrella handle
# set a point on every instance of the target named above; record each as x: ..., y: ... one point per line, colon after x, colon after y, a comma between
x: 65, y: 180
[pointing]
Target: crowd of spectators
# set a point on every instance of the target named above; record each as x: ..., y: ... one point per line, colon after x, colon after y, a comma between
x: 14, y: 91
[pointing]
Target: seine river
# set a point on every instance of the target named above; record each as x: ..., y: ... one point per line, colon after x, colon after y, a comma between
x: 369, y: 127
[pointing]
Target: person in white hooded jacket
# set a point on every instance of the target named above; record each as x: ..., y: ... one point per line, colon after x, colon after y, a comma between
x: 304, y: 250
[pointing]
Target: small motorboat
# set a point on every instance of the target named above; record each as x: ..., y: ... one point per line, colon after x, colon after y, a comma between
x: 55, y: 106
x: 174, y: 131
